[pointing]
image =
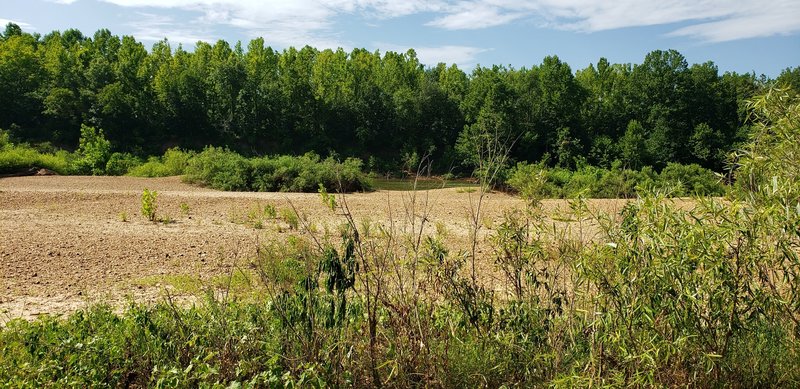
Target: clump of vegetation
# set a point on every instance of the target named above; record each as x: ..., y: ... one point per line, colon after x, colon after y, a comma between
x: 120, y: 164
x: 270, y: 211
x: 291, y: 218
x: 226, y: 170
x: 184, y: 209
x: 540, y: 181
x: 219, y: 168
x: 94, y: 151
x: 149, y: 205
x: 172, y: 163
x: 18, y: 158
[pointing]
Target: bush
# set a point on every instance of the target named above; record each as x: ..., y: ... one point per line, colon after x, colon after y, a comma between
x: 176, y: 160
x: 539, y: 181
x: 120, y: 164
x: 15, y: 159
x: 93, y: 152
x: 227, y: 170
x: 152, y: 168
x: 690, y: 180
x: 5, y: 139
x: 149, y: 205
x: 219, y: 168
x: 173, y: 163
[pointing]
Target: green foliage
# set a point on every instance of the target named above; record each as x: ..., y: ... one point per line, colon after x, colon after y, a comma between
x: 220, y: 169
x: 690, y: 180
x: 538, y: 181
x: 291, y: 218
x: 657, y: 295
x: 5, y: 139
x: 632, y: 146
x: 94, y: 151
x: 149, y: 205
x: 382, y: 107
x: 306, y: 173
x: 227, y: 170
x: 120, y: 164
x: 173, y: 163
x: 19, y: 158
x: 769, y: 165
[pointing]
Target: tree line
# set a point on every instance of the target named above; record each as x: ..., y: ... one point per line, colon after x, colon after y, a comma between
x: 385, y: 108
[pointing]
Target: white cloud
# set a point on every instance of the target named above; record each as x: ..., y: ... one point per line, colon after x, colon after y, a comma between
x: 709, y: 20
x: 153, y: 27
x: 283, y: 23
x: 463, y: 56
x: 23, y: 25
x: 300, y: 22
x: 62, y: 1
x: 475, y: 16
x: 757, y: 24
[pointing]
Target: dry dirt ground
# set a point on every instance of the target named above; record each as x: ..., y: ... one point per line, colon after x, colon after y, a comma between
x: 64, y: 244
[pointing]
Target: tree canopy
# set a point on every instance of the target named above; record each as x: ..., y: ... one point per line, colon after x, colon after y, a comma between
x: 380, y: 107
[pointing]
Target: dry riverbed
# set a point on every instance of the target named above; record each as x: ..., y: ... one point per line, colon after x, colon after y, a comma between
x: 68, y: 242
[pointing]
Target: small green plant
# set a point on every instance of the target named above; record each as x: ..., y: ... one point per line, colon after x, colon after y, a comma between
x: 149, y: 205
x: 123, y: 216
x: 328, y: 199
x: 270, y: 212
x: 290, y: 217
x: 184, y: 209
x: 167, y: 219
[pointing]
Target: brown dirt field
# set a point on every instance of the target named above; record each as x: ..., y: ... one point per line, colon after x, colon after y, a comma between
x: 63, y: 245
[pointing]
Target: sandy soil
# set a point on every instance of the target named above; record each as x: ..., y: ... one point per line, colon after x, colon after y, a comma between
x: 64, y: 245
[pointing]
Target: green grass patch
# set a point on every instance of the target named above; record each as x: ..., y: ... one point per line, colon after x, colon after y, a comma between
x: 183, y: 283
x: 18, y: 158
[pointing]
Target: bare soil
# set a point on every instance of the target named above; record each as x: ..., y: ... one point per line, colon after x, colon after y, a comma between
x: 68, y: 242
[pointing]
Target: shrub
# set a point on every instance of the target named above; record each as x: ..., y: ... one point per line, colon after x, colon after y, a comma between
x: 5, y: 139
x: 220, y: 169
x: 149, y: 205
x: 176, y: 161
x: 14, y: 159
x: 93, y: 152
x: 539, y: 181
x: 227, y: 170
x: 690, y: 180
x: 152, y: 168
x: 121, y: 163
x: 532, y: 181
x: 173, y: 163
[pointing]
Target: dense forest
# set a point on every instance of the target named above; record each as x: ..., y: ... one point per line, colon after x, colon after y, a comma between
x: 382, y: 108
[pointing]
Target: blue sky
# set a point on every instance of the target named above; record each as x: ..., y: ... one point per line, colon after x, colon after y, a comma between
x: 738, y: 35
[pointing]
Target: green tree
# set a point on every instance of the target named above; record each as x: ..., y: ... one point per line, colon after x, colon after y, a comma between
x: 21, y: 77
x: 93, y: 151
x: 632, y: 145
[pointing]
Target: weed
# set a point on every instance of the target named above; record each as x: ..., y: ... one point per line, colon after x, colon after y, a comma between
x: 149, y: 205
x: 184, y: 209
x: 270, y: 212
x: 123, y: 216
x: 290, y: 217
